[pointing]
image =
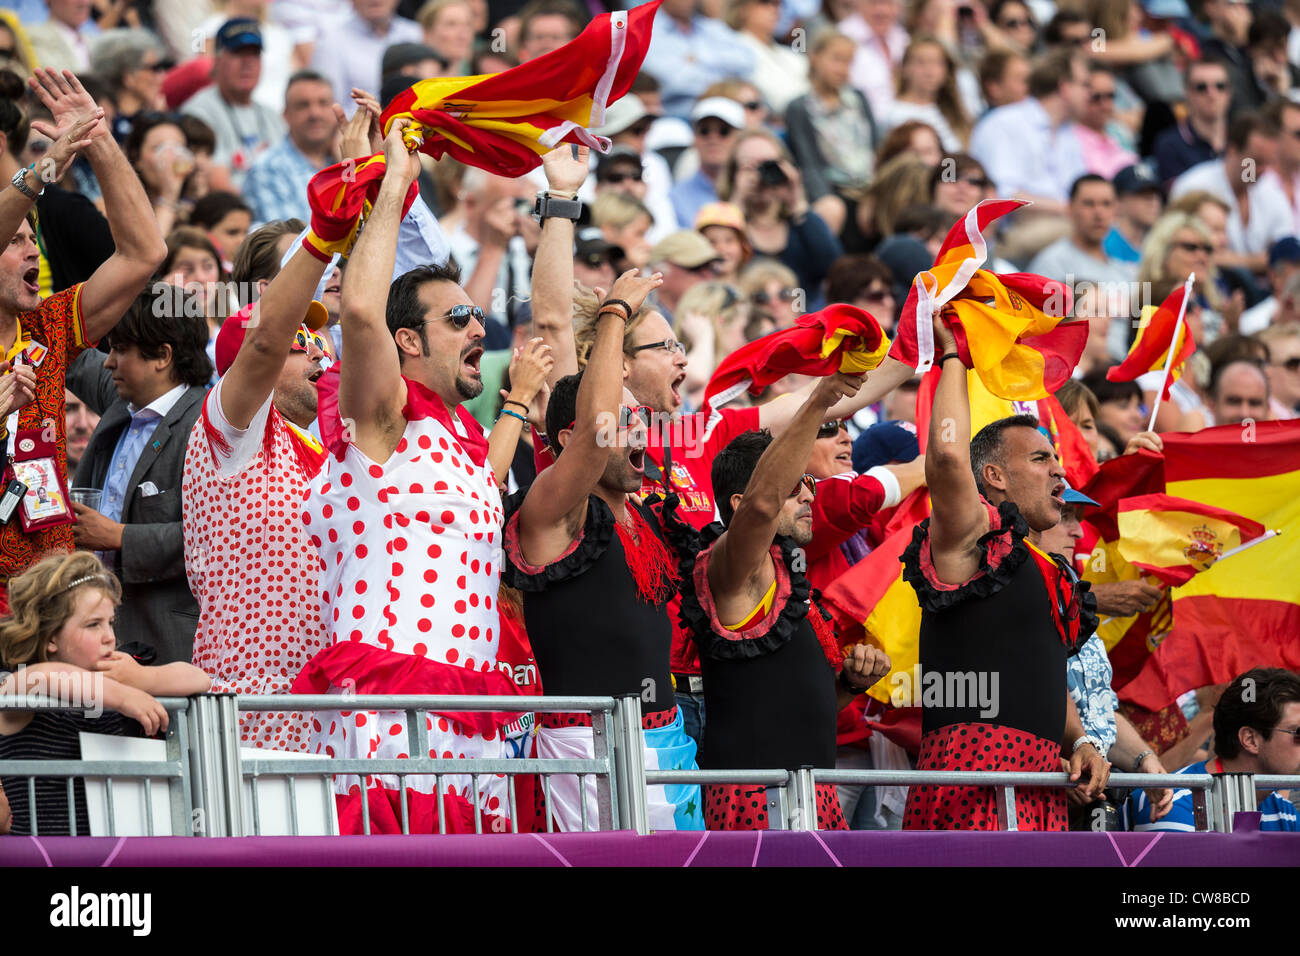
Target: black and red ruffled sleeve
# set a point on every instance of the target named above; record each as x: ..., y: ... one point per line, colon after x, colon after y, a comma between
x: 583, y: 552
x: 1002, y: 552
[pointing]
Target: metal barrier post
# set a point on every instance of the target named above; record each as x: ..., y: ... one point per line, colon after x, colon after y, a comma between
x: 1005, y: 800
x: 1233, y: 793
x: 629, y: 764
x: 180, y: 793
x: 214, y: 763
x: 602, y: 728
x: 803, y: 805
x: 778, y: 807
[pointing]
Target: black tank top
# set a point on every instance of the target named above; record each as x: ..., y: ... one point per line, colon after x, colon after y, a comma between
x: 1000, y: 623
x: 591, y: 632
x: 770, y: 698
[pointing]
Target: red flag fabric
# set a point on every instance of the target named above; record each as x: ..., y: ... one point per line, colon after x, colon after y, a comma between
x: 838, y: 338
x: 1154, y: 339
x: 340, y: 197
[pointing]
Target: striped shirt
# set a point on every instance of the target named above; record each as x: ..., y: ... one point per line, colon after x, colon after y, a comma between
x: 1276, y: 813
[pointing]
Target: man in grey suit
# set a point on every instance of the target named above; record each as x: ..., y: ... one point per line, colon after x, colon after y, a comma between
x: 149, y: 392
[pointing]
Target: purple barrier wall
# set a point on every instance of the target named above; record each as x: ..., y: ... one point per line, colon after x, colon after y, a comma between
x: 1244, y: 848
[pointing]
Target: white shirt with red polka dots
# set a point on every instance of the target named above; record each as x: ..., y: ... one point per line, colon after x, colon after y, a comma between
x: 251, y: 566
x: 411, y: 562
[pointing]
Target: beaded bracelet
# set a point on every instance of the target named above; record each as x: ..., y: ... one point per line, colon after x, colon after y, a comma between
x: 506, y: 411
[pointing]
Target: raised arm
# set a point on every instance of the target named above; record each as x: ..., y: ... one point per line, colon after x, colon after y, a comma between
x: 555, y: 507
x: 139, y: 247
x: 528, y: 371
x: 777, y: 414
x: 957, y: 516
x: 742, y: 549
x: 371, y: 392
x: 553, y: 266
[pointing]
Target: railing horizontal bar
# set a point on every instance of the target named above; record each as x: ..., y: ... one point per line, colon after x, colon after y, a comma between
x: 296, y: 702
x: 761, y: 778
x: 44, y: 703
x: 363, y: 765
x: 1276, y: 781
x: 88, y: 768
x: 979, y: 778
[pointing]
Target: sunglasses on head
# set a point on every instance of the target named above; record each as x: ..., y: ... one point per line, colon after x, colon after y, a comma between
x: 831, y: 429
x: 764, y: 298
x: 460, y: 315
x: 1221, y: 87
x: 305, y: 338
x: 808, y: 482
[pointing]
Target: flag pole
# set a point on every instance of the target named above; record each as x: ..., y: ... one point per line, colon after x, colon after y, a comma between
x: 1271, y: 533
x: 1169, y: 359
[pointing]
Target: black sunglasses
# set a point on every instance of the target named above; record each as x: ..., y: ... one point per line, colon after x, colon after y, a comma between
x: 1102, y: 96
x: 1206, y: 87
x: 831, y: 429
x: 622, y: 177
x: 1195, y: 247
x: 763, y: 298
x: 1292, y: 364
x: 460, y: 315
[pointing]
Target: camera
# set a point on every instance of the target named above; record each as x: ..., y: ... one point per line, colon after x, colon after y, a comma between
x: 770, y: 173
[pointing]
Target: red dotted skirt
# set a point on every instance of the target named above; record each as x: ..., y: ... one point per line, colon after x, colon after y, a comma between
x: 985, y: 747
x: 742, y: 807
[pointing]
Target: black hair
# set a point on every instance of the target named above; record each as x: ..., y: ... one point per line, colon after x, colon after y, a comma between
x: 404, y: 310
x: 216, y: 206
x: 1108, y: 391
x: 152, y: 321
x: 734, y: 466
x: 1083, y: 181
x: 140, y: 128
x: 1246, y: 125
x: 13, y: 119
x: 306, y: 76
x: 1254, y: 699
x: 1052, y: 32
x: 562, y: 408
x: 986, y: 446
x: 199, y: 136
x: 850, y: 275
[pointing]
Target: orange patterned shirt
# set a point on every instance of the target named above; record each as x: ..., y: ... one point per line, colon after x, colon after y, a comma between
x: 53, y: 335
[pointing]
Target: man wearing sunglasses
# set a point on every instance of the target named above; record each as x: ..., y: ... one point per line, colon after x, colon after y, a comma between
x: 1256, y: 731
x: 251, y: 564
x: 1204, y: 133
x: 773, y: 666
x: 407, y: 519
x: 597, y: 575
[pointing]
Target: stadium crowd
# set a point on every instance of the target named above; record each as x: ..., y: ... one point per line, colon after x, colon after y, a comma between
x: 474, y: 455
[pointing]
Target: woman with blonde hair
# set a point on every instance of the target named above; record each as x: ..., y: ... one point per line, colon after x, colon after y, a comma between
x: 449, y: 28
x: 927, y: 91
x: 624, y: 221
x: 58, y: 640
x: 901, y: 183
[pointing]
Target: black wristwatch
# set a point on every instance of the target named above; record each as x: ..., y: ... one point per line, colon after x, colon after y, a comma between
x: 548, y: 207
x: 844, y: 682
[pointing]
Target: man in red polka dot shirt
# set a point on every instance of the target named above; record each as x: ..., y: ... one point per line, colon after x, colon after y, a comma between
x: 250, y: 564
x: 407, y: 520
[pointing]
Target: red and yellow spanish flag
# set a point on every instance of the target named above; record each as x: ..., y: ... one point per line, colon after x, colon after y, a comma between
x: 1008, y: 328
x: 340, y: 197
x: 839, y: 338
x: 1242, y: 612
x: 1174, y: 539
x: 1150, y: 350
x: 502, y: 122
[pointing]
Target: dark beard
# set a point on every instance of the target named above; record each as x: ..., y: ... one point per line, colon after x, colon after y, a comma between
x: 469, y: 388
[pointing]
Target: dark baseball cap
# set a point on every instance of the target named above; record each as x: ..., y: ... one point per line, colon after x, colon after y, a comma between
x: 1286, y: 249
x: 883, y: 443
x: 401, y: 55
x: 238, y: 34
x: 1138, y: 178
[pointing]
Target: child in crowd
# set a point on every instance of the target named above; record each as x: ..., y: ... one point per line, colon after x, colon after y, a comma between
x: 58, y: 641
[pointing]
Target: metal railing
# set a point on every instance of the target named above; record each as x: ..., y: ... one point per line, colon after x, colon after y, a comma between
x: 213, y: 789
x: 175, y: 770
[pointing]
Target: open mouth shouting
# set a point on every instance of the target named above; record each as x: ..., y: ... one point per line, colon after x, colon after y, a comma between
x: 32, y: 280
x: 1058, y: 493
x: 470, y: 362
x: 676, y: 388
x: 636, y: 459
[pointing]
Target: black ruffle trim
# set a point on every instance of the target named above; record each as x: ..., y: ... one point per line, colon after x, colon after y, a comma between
x: 983, y: 585
x: 597, y: 533
x: 717, y: 643
x: 1088, y: 618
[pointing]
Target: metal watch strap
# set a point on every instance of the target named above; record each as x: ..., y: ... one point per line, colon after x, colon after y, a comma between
x: 19, y: 182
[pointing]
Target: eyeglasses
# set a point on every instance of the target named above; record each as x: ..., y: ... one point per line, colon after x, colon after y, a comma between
x: 622, y: 177
x: 1221, y: 87
x: 304, y: 339
x: 979, y: 182
x: 668, y: 345
x: 1293, y: 733
x: 1103, y: 96
x: 1016, y: 23
x: 1203, y: 247
x: 1291, y: 365
x: 627, y: 414
x: 641, y: 128
x: 875, y: 296
x: 713, y: 129
x: 808, y: 482
x: 831, y: 429
x: 594, y: 260
x: 711, y: 268
x: 155, y: 67
x: 765, y: 298
x: 460, y: 315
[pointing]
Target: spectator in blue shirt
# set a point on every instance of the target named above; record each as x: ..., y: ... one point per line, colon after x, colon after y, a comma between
x: 1256, y: 730
x: 716, y: 120
x: 689, y: 52
x: 1203, y: 135
x: 1140, y: 202
x: 276, y: 186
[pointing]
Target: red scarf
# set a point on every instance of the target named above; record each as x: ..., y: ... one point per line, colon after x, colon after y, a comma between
x: 652, y: 566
